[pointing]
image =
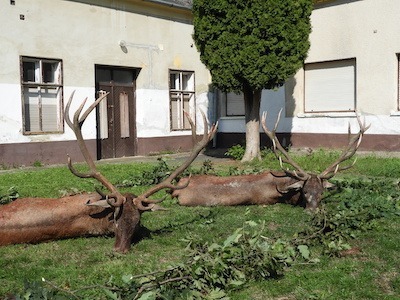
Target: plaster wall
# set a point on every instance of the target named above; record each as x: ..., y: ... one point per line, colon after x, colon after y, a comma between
x: 83, y: 34
x: 363, y: 29
x: 368, y: 31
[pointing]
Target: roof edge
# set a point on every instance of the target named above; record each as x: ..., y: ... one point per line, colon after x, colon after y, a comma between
x: 182, y: 4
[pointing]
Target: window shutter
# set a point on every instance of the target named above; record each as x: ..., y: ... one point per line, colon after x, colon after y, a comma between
x: 186, y: 107
x: 174, y: 111
x: 234, y: 104
x: 49, y: 98
x: 31, y: 114
x: 330, y: 86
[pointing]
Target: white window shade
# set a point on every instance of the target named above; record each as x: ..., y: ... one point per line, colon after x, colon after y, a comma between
x: 32, y: 109
x: 103, y: 117
x: 330, y: 86
x: 50, y: 100
x: 124, y: 114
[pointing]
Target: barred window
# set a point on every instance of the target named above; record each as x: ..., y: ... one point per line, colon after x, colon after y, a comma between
x: 42, y: 91
x: 181, y: 91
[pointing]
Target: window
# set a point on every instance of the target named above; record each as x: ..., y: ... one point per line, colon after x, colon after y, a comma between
x: 330, y: 86
x: 41, y: 95
x: 234, y: 104
x: 181, y: 92
x: 398, y: 81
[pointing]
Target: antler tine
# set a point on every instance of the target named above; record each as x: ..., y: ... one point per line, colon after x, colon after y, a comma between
x: 167, y: 183
x: 192, y: 126
x: 115, y: 198
x: 66, y: 113
x: 348, y: 152
x: 91, y: 107
x: 79, y: 121
x: 276, y: 146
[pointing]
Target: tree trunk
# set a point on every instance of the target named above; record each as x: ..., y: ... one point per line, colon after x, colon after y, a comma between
x: 252, y: 101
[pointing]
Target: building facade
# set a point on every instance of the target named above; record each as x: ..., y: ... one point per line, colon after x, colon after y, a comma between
x: 140, y: 52
x: 352, y: 66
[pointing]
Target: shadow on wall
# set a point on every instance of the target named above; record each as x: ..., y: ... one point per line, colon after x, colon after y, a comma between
x: 272, y: 102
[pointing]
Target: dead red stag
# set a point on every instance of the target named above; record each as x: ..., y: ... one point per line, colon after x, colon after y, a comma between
x: 296, y: 186
x: 33, y: 220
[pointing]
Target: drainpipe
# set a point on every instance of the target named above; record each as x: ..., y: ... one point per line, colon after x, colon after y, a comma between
x: 215, y: 108
x: 150, y: 50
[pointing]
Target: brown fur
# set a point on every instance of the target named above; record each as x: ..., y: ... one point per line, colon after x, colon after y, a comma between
x: 259, y: 189
x: 33, y: 220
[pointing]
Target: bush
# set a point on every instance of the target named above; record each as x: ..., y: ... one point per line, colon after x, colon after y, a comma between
x: 236, y: 152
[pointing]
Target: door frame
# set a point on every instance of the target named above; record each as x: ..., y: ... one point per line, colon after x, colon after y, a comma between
x: 112, y: 84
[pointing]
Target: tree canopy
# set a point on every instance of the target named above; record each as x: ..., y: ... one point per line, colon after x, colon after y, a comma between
x: 253, y: 44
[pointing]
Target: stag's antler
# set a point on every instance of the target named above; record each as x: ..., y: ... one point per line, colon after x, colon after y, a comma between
x: 348, y: 152
x: 167, y: 183
x: 116, y: 199
x: 277, y: 148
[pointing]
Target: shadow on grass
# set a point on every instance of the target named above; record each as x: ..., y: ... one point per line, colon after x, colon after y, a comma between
x: 146, y: 233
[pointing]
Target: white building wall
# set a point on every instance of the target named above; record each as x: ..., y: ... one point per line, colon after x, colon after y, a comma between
x: 82, y: 35
x: 368, y: 31
x: 363, y: 29
x: 151, y: 120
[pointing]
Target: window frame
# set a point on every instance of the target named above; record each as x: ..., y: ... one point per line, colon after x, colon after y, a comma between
x: 351, y: 62
x: 39, y: 82
x: 398, y: 82
x: 231, y: 103
x: 179, y: 93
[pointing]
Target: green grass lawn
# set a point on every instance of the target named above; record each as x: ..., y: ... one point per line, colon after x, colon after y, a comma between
x: 373, y: 272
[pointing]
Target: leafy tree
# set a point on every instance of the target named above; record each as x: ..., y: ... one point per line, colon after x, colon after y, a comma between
x: 250, y: 45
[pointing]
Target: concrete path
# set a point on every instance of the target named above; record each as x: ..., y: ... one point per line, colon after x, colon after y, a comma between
x: 215, y: 156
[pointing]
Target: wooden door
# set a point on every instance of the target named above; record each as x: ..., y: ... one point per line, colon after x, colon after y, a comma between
x: 117, y: 135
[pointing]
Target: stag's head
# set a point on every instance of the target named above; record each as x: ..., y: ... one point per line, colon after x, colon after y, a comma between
x: 312, y: 185
x: 311, y: 189
x: 127, y: 208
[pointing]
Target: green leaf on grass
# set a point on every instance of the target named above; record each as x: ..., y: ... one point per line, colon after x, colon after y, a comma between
x: 304, y: 251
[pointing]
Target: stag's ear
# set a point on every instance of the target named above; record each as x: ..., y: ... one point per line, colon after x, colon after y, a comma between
x: 156, y: 207
x: 101, y: 203
x: 328, y: 185
x: 294, y: 186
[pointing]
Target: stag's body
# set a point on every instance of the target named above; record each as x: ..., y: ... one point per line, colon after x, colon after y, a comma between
x: 257, y: 189
x: 33, y: 220
x: 290, y: 186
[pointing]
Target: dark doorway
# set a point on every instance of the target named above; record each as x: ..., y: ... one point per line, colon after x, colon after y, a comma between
x: 116, y: 115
